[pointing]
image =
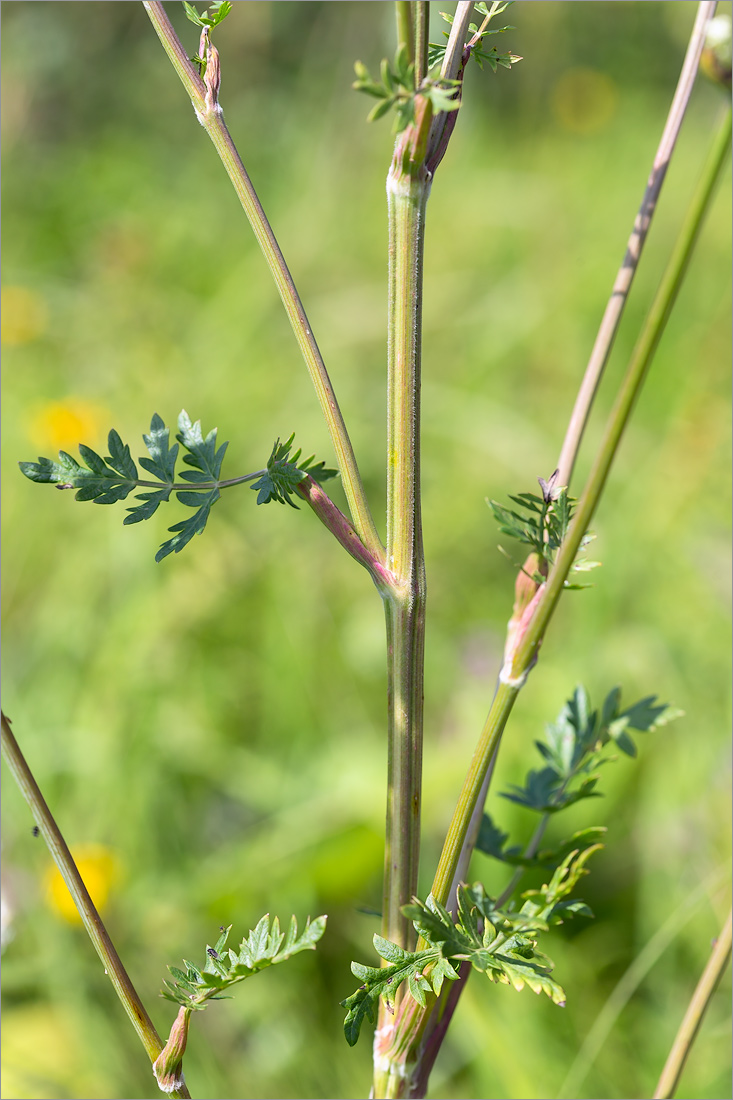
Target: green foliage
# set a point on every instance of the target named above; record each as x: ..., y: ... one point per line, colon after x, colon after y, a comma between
x: 215, y: 14
x: 500, y: 943
x: 384, y: 981
x: 265, y: 946
x: 574, y: 748
x: 436, y: 51
x: 107, y: 480
x: 492, y: 841
x: 283, y: 474
x: 542, y: 522
x: 396, y: 90
x: 206, y: 460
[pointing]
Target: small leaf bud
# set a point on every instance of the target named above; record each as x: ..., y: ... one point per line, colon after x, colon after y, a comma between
x: 168, y: 1066
x: 526, y: 596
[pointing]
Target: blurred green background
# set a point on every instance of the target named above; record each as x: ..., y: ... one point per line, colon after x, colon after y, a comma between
x: 209, y: 731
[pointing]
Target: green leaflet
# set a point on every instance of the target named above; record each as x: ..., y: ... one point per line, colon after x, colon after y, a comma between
x: 542, y: 522
x: 436, y: 51
x: 216, y: 13
x: 575, y: 744
x: 385, y: 981
x: 499, y: 943
x: 396, y: 90
x: 107, y: 480
x: 284, y: 473
x: 266, y: 945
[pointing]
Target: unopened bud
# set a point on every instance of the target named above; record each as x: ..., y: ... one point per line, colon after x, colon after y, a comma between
x: 527, y: 591
x: 168, y: 1066
x: 212, y: 78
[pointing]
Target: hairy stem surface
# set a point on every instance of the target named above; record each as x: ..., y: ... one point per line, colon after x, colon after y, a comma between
x: 407, y: 194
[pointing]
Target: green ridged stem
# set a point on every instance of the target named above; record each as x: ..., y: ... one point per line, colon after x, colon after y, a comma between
x: 407, y: 194
x: 91, y: 919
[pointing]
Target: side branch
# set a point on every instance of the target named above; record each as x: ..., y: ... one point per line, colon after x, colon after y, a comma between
x: 210, y: 116
x: 345, y: 533
x: 621, y: 287
x: 87, y: 911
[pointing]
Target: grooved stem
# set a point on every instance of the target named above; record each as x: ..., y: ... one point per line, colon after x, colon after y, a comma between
x: 404, y: 607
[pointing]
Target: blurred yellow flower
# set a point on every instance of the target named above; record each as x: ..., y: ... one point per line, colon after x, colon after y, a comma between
x: 100, y: 870
x: 584, y: 101
x: 23, y: 316
x: 63, y: 425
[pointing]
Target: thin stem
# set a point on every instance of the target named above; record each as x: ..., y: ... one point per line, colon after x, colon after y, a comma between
x: 457, y: 40
x: 211, y: 119
x: 410, y: 1026
x: 405, y: 35
x: 632, y: 979
x: 647, y: 343
x: 506, y: 695
x: 603, y: 345
x: 91, y: 919
x: 407, y: 195
x: 422, y: 40
x: 690, y: 1025
x: 180, y: 486
x: 344, y: 531
x: 612, y: 316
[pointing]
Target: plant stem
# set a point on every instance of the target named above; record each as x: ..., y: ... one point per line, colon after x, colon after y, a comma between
x: 407, y: 194
x: 501, y: 708
x: 690, y: 1025
x: 619, y: 295
x: 422, y: 40
x: 399, y: 1059
x: 405, y: 33
x: 611, y: 318
x: 345, y: 533
x: 212, y: 120
x: 526, y: 652
x: 457, y: 40
x: 633, y: 977
x: 642, y: 355
x: 91, y: 919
